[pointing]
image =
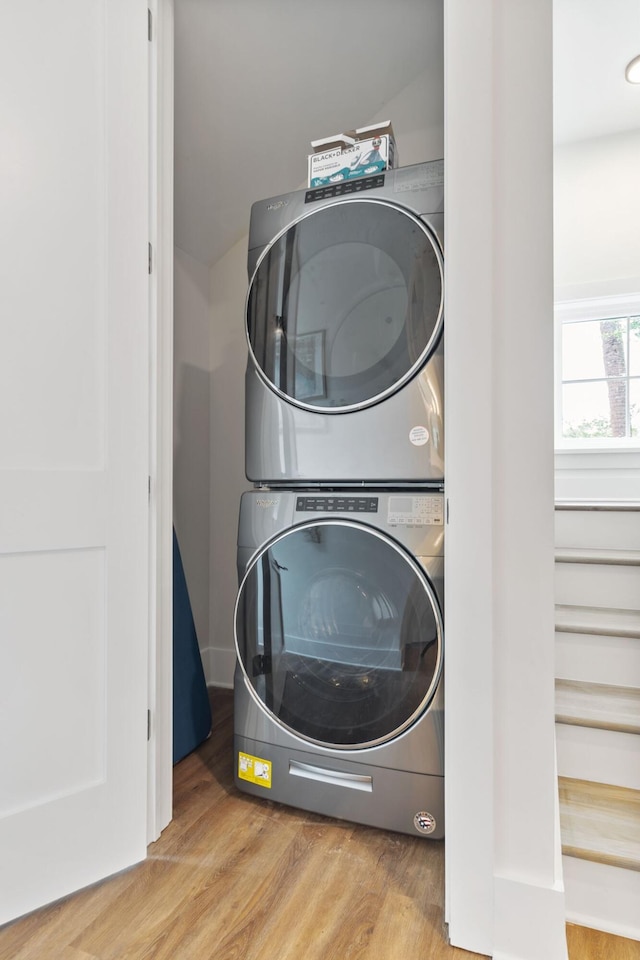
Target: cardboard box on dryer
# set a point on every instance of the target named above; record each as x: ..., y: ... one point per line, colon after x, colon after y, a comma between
x: 357, y: 153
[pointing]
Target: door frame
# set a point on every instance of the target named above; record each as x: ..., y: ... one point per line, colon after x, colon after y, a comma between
x: 503, y: 882
x: 161, y: 107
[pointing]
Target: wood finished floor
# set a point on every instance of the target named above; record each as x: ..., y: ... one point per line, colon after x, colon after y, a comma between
x: 238, y: 878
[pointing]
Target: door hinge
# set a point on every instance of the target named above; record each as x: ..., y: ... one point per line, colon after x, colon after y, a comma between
x: 447, y: 509
x: 149, y: 25
x: 148, y: 725
x: 149, y: 487
x: 150, y: 258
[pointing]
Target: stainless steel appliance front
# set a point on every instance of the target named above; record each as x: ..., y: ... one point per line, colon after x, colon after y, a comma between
x: 344, y: 312
x: 339, y: 635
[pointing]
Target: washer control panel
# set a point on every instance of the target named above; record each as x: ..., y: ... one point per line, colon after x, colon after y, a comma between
x: 337, y: 504
x: 422, y: 511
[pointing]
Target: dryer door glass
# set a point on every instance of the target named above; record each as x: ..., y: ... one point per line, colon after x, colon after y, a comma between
x: 346, y: 305
x: 339, y: 633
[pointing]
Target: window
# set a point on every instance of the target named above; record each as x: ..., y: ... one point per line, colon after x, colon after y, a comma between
x: 598, y: 383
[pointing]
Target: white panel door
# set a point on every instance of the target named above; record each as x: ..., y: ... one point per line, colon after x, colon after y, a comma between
x: 74, y: 412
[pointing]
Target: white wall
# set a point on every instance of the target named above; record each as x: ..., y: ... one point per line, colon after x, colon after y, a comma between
x: 597, y: 254
x: 228, y: 358
x: 597, y: 213
x: 192, y: 377
x: 416, y: 142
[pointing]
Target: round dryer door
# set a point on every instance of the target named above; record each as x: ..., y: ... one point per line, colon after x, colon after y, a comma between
x: 346, y: 305
x: 339, y: 634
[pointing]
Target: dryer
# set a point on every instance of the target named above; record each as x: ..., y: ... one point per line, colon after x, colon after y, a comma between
x: 338, y: 704
x: 344, y: 320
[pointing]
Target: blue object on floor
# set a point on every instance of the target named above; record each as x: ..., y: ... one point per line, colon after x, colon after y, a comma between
x: 191, y: 709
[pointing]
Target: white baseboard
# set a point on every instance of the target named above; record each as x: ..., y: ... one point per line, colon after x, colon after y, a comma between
x: 529, y: 921
x: 219, y: 665
x: 601, y: 474
x: 602, y: 897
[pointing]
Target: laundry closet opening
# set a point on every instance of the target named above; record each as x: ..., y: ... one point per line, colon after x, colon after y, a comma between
x: 254, y: 83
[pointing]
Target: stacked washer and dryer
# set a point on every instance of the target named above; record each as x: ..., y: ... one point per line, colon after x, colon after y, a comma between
x: 339, y: 625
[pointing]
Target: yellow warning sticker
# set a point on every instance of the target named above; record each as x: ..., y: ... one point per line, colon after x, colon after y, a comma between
x: 254, y: 770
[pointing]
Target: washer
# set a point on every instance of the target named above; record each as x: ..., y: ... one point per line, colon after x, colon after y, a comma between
x: 344, y: 316
x: 339, y: 640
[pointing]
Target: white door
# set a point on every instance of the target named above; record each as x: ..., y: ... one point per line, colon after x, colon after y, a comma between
x: 74, y: 411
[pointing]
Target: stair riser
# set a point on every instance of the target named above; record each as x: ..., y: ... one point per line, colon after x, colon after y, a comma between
x: 591, y: 529
x: 598, y: 659
x: 597, y: 585
x: 603, y: 897
x: 603, y: 756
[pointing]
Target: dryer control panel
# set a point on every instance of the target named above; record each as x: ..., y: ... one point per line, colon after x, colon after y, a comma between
x: 347, y: 187
x: 337, y: 504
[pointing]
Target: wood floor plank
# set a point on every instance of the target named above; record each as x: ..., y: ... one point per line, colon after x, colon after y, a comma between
x: 339, y: 913
x: 586, y: 944
x: 48, y: 932
x: 198, y: 889
x: 276, y: 916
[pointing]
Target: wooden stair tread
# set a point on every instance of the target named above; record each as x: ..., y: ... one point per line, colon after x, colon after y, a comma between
x: 600, y: 705
x: 601, y: 822
x: 602, y: 621
x: 617, y: 506
x: 626, y: 558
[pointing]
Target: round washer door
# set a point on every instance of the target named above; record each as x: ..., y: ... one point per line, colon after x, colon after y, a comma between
x: 339, y: 634
x: 346, y: 305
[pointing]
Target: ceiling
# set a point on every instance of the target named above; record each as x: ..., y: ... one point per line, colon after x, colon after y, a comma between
x: 256, y: 80
x: 593, y: 42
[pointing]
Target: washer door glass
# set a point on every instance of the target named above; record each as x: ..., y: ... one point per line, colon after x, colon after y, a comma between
x: 339, y: 634
x: 346, y: 305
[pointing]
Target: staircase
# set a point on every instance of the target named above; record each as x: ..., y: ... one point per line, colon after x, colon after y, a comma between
x: 598, y: 711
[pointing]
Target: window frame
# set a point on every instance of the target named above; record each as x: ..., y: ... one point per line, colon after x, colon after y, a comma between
x: 593, y: 469
x: 614, y: 307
